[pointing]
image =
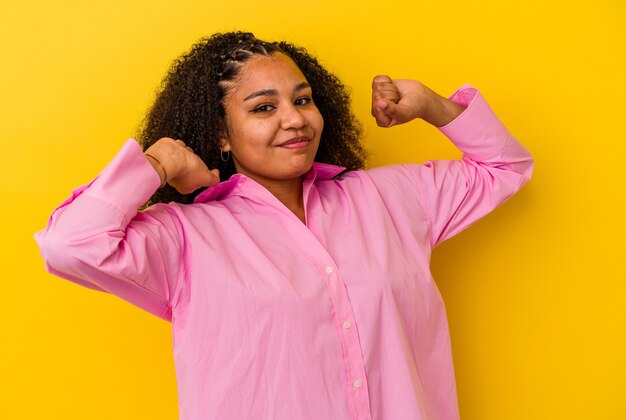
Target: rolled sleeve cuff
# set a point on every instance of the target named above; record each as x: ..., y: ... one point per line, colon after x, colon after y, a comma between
x: 477, y: 131
x: 127, y: 182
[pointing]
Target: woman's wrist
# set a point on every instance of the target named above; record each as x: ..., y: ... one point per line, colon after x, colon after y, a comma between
x: 443, y: 111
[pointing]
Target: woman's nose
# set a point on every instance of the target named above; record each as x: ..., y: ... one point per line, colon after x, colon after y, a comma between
x: 293, y: 117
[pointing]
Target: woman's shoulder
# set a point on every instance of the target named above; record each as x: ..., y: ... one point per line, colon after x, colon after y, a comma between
x: 387, y: 181
x: 390, y: 172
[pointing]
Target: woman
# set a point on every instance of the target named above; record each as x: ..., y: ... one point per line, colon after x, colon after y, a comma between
x: 296, y: 289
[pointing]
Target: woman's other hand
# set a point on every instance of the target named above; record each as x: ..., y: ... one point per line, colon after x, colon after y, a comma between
x: 179, y: 166
x: 399, y: 101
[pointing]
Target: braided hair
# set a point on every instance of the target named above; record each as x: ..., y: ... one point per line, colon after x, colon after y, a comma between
x: 190, y: 104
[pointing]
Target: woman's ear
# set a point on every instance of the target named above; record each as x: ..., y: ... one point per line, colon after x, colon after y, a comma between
x: 224, y: 140
x: 224, y: 144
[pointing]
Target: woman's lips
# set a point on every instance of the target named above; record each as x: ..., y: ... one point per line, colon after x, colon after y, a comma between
x: 296, y: 143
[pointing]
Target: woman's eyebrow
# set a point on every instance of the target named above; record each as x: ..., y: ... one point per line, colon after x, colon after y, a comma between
x: 301, y: 86
x: 274, y: 92
x: 264, y: 92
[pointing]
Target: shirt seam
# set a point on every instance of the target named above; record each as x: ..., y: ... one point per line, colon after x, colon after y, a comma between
x: 182, y: 273
x: 422, y: 202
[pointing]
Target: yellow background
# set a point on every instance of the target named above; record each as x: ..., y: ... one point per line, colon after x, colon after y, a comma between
x: 535, y: 292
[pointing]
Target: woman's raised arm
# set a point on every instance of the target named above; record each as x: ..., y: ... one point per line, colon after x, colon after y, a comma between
x: 453, y: 193
x: 98, y: 239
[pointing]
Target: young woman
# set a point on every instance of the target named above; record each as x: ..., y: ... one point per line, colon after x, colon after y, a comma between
x: 299, y: 286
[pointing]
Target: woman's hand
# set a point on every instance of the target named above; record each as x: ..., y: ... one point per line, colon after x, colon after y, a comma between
x: 179, y: 166
x: 399, y: 101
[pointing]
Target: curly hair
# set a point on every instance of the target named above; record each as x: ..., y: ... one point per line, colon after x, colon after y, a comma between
x: 190, y: 104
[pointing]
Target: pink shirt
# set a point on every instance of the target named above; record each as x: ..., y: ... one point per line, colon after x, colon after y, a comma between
x: 274, y: 319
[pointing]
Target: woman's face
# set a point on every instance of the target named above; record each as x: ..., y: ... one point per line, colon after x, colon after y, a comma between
x: 273, y: 128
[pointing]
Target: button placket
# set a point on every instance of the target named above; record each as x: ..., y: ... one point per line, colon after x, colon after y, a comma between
x: 344, y: 318
x: 314, y: 247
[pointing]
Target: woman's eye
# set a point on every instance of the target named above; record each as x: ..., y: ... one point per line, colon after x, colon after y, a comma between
x: 263, y: 108
x: 303, y: 101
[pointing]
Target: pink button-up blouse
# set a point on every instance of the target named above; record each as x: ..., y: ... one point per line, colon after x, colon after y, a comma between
x: 275, y: 319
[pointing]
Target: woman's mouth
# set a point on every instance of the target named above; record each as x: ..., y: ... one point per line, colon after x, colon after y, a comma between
x: 296, y: 143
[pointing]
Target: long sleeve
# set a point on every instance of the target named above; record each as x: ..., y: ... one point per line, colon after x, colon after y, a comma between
x: 453, y: 194
x: 494, y: 166
x: 98, y: 239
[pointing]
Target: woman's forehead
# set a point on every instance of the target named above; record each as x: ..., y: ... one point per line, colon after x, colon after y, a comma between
x: 263, y: 72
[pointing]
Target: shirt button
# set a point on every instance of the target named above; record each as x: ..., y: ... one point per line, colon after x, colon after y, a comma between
x: 346, y: 325
x: 358, y: 383
x: 329, y: 269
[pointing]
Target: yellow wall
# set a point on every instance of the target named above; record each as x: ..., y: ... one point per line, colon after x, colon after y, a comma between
x: 535, y: 292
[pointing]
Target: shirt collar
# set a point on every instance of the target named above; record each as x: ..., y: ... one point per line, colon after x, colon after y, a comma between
x: 318, y: 172
x: 325, y: 171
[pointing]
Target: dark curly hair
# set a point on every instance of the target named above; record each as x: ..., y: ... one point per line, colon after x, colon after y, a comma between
x: 189, y: 104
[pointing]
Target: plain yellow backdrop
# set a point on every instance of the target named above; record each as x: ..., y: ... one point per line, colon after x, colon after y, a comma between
x: 535, y: 292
